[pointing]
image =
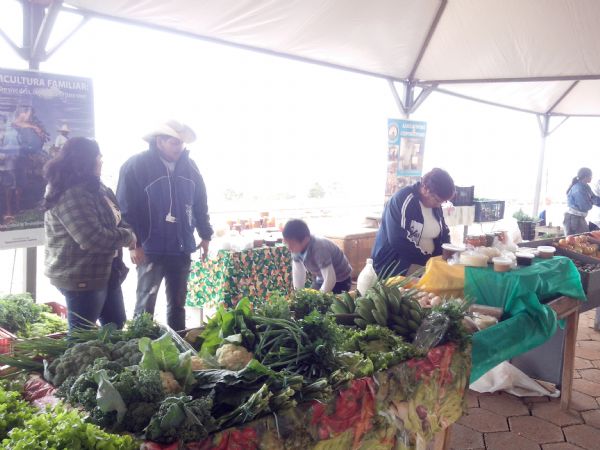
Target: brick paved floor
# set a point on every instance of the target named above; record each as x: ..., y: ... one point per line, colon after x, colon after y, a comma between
x: 502, y: 421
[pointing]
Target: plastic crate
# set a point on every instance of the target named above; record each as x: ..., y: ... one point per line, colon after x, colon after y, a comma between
x: 464, y: 196
x: 58, y: 309
x: 489, y: 210
x: 6, y: 341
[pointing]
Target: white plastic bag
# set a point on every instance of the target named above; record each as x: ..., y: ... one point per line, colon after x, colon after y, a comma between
x: 506, y: 377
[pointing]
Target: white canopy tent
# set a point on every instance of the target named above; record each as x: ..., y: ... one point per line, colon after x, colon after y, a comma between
x: 457, y: 46
x: 536, y: 56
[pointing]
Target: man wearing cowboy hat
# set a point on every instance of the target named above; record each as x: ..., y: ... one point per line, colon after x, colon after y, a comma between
x: 163, y: 197
x: 63, y: 136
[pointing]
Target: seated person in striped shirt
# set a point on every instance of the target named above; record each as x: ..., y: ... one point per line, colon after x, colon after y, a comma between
x: 328, y: 265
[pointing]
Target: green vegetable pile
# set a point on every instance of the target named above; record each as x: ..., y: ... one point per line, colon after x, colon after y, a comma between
x: 251, y: 362
x: 381, y: 346
x: 22, y: 427
x: 14, y: 411
x: 20, y: 315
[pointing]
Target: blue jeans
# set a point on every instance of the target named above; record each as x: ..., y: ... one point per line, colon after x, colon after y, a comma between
x: 87, y: 307
x: 175, y: 270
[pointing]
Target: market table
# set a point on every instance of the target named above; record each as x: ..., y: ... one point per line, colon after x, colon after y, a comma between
x: 408, y: 406
x: 232, y: 275
x: 533, y: 298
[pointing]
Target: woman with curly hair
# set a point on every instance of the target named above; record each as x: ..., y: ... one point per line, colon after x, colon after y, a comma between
x: 84, y: 236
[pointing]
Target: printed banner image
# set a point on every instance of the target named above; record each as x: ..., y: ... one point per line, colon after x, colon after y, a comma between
x: 406, y: 148
x: 38, y: 113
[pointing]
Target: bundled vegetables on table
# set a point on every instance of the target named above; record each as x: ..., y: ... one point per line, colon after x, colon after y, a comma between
x: 389, y: 306
x: 22, y: 316
x: 23, y: 427
x: 251, y: 363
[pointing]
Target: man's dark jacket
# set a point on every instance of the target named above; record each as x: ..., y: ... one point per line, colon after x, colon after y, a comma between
x: 147, y: 193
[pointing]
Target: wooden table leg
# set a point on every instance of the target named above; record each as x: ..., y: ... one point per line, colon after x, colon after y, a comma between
x: 447, y: 433
x: 441, y: 440
x: 569, y: 359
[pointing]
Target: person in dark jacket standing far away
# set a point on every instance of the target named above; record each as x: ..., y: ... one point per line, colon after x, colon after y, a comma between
x: 163, y: 197
x: 413, y: 227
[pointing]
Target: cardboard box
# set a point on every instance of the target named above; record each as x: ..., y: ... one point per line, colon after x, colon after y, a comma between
x: 356, y: 245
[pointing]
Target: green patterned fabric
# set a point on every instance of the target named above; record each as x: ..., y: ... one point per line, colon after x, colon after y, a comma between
x: 231, y: 276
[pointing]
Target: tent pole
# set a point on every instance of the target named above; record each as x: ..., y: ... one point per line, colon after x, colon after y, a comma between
x: 544, y: 122
x: 33, y: 17
x: 399, y: 103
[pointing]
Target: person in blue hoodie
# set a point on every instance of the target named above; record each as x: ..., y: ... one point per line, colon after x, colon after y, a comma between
x: 412, y: 227
x: 580, y: 200
x: 163, y: 197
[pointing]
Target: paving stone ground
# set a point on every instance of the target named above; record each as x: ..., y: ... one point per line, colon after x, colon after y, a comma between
x: 505, y: 422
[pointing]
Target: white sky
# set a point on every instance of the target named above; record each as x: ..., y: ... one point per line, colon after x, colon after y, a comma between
x: 268, y: 125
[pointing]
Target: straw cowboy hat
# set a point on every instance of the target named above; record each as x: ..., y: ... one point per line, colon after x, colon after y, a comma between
x: 172, y: 128
x: 64, y: 128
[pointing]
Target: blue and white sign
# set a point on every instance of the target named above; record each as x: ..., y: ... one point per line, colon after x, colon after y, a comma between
x: 38, y: 113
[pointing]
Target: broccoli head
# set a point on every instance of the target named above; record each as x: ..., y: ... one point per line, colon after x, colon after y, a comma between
x: 112, y: 367
x: 75, y: 361
x: 106, y: 420
x: 83, y: 391
x: 127, y: 353
x: 136, y: 384
x: 182, y: 418
x: 138, y: 416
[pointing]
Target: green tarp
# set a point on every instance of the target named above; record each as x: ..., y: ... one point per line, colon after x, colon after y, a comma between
x: 527, y: 322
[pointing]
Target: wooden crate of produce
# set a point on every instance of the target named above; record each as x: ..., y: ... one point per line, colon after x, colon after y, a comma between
x: 356, y: 245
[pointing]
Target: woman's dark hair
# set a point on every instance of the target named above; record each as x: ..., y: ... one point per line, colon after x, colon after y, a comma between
x: 75, y: 164
x: 582, y: 173
x: 296, y: 230
x: 440, y: 183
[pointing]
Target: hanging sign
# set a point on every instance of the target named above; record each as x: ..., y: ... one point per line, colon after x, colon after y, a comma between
x: 406, y: 147
x: 38, y: 113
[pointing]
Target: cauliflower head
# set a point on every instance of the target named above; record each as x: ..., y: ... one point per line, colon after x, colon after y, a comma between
x: 233, y: 357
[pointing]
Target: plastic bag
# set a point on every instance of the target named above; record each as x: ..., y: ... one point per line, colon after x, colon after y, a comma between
x: 431, y: 331
x: 36, y: 388
x: 443, y: 279
x: 506, y: 377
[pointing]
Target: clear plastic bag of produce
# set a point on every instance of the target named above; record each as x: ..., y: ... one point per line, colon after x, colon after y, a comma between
x: 432, y: 331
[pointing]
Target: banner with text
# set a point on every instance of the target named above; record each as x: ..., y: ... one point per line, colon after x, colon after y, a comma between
x: 38, y: 113
x: 406, y: 147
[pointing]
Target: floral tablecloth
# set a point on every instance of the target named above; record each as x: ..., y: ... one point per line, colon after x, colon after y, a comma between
x: 400, y: 408
x: 231, y: 276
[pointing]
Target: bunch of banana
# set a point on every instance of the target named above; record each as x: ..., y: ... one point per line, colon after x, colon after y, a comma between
x: 343, y: 304
x: 390, y: 307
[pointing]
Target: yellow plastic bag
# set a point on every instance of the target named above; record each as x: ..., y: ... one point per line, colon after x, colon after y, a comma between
x: 442, y: 278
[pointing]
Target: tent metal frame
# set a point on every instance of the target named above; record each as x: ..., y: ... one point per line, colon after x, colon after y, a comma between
x: 39, y: 17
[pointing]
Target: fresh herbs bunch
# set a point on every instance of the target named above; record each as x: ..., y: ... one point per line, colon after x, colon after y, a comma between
x: 60, y: 427
x: 305, y: 301
x: 21, y: 315
x: 14, y: 411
